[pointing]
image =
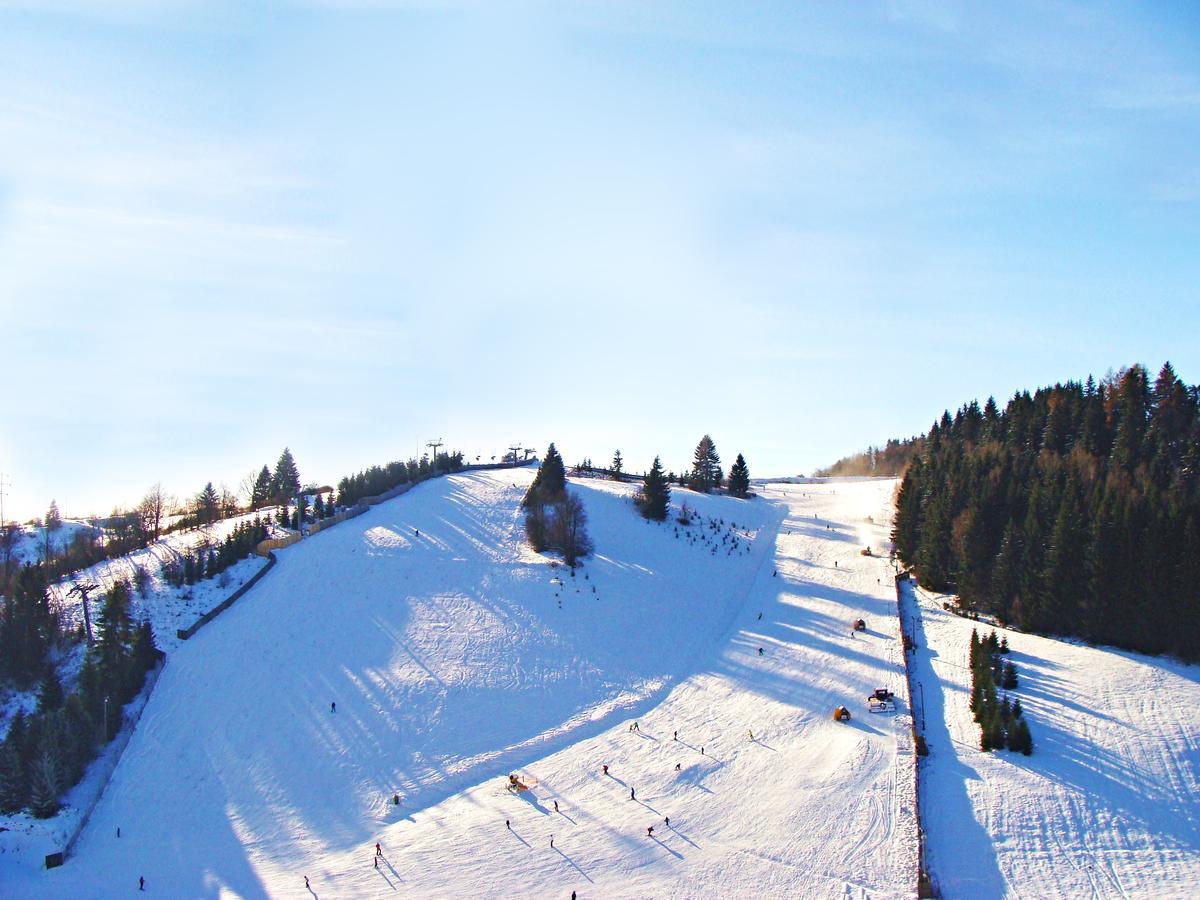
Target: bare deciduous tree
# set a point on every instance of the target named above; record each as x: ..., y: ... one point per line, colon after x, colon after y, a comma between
x: 152, y: 509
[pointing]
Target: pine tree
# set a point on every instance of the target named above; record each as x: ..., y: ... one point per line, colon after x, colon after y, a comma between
x: 655, y: 496
x: 13, y: 792
x: 739, y: 478
x: 319, y: 507
x: 29, y: 626
x: 285, y: 482
x: 706, y: 466
x: 53, y: 518
x: 617, y: 467
x: 50, y: 697
x: 208, y: 506
x: 550, y: 483
x: 261, y: 492
x: 46, y: 775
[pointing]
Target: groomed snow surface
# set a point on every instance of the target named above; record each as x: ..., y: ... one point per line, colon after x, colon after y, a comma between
x: 456, y: 656
x: 1107, y: 804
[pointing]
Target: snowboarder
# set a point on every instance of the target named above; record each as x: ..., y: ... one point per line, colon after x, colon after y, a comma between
x: 333, y: 706
x: 605, y: 767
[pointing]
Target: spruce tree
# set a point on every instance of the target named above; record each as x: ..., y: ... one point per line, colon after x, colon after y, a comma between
x: 50, y: 697
x: 261, y: 492
x: 739, y: 478
x: 53, y: 517
x: 706, y: 466
x: 285, y: 482
x: 208, y: 506
x: 550, y: 482
x: 617, y: 467
x: 46, y: 775
x: 13, y: 791
x: 655, y: 496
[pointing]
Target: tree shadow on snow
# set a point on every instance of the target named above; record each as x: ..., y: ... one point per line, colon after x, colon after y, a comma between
x: 575, y: 865
x: 960, y: 853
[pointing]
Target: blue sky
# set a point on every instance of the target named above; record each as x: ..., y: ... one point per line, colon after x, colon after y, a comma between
x: 355, y: 227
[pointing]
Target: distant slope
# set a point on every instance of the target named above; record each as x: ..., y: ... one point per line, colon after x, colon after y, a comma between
x: 889, y: 460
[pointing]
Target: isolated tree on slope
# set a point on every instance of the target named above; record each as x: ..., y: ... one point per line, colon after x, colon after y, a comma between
x: 739, y: 478
x: 656, y: 494
x: 617, y: 466
x: 285, y: 483
x: 706, y: 466
x: 550, y: 483
x: 570, y: 529
x: 53, y: 518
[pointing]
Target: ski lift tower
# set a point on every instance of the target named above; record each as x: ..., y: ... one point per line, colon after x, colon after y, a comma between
x: 82, y: 590
x: 433, y: 446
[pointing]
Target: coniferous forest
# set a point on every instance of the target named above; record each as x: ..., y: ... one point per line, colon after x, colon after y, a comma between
x: 1074, y: 511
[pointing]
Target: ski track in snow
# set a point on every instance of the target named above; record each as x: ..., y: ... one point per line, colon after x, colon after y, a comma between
x: 456, y: 655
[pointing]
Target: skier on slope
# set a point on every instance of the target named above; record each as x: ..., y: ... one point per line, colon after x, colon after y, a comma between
x: 650, y: 831
x: 605, y: 767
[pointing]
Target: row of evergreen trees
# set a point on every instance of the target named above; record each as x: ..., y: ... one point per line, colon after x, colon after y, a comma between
x: 45, y: 754
x: 377, y: 480
x: 705, y: 475
x: 554, y: 518
x: 210, y: 562
x: 1002, y: 724
x: 1074, y: 511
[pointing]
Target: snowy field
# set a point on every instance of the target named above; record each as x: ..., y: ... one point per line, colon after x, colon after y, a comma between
x: 456, y: 656
x: 1107, y: 805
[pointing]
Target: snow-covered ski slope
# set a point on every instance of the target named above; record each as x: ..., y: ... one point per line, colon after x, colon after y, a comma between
x: 455, y: 656
x: 1108, y: 805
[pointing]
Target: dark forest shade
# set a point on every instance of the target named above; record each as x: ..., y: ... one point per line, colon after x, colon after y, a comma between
x: 1075, y: 511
